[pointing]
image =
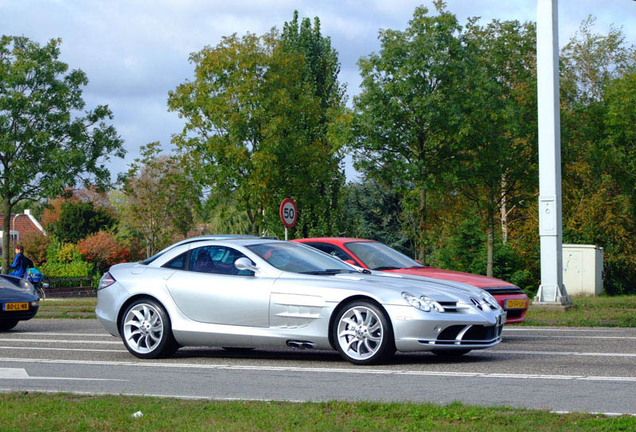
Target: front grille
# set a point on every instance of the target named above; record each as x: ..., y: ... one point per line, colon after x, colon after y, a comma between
x: 454, y: 306
x: 505, y: 290
x: 515, y: 313
x: 467, y: 335
x: 19, y: 315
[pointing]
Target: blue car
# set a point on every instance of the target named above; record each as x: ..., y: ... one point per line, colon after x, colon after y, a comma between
x: 18, y: 301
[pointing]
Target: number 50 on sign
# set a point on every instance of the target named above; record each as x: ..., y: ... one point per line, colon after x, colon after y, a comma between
x: 288, y: 212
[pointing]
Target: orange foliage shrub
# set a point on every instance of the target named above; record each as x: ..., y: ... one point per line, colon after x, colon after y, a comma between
x: 103, y: 250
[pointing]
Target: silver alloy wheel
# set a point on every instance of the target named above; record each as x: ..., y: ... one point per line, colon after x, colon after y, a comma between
x: 143, y: 328
x: 360, y: 333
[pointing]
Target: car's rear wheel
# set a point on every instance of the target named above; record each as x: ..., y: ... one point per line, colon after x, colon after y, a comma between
x: 362, y: 334
x: 8, y: 325
x: 146, y: 330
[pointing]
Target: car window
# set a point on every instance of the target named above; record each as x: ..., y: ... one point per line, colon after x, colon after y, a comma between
x: 217, y: 260
x: 378, y: 256
x: 298, y: 258
x: 177, y: 263
x: 331, y: 250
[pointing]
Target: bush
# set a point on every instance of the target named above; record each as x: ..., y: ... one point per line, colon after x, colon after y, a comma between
x: 72, y: 269
x: 64, y: 260
x: 35, y: 247
x: 103, y: 250
x: 78, y: 220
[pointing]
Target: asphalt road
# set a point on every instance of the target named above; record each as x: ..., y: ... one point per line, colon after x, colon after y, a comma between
x: 557, y: 369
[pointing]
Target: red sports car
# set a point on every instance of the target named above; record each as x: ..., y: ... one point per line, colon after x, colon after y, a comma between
x: 373, y: 255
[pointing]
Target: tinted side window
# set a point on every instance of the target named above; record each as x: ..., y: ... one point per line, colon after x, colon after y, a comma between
x: 217, y: 260
x: 177, y: 263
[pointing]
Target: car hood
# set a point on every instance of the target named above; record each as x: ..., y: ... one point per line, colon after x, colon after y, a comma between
x: 389, y: 287
x: 457, y: 276
x: 14, y: 294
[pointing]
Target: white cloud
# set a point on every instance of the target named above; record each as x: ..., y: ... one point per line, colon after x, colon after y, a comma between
x: 135, y: 51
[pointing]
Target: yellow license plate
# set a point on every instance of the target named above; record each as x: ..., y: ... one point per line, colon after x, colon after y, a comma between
x: 16, y: 306
x: 515, y: 304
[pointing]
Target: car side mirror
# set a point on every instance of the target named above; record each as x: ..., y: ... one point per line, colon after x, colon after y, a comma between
x: 244, y: 263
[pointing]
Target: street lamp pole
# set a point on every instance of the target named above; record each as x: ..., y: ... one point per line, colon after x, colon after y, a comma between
x: 551, y: 290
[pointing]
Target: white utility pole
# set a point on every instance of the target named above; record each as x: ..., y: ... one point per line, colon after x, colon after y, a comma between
x: 551, y: 290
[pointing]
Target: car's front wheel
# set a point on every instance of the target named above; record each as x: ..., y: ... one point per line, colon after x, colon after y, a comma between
x: 146, y: 330
x: 362, y: 334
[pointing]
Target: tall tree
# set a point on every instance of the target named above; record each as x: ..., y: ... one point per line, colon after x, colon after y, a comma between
x: 262, y: 115
x: 48, y: 140
x: 225, y: 117
x: 410, y: 117
x: 597, y: 136
x: 318, y: 135
x: 160, y: 199
x: 498, y: 152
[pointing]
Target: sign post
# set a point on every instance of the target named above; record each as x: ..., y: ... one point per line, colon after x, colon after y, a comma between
x: 288, y: 214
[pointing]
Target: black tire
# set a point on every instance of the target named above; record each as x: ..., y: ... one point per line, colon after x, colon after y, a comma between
x: 146, y: 330
x: 362, y: 333
x: 8, y: 325
x: 450, y: 352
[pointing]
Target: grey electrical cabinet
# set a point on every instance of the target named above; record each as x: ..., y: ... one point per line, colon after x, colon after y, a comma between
x: 583, y: 269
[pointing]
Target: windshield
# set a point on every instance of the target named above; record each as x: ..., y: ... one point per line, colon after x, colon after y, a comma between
x: 297, y: 258
x: 378, y: 256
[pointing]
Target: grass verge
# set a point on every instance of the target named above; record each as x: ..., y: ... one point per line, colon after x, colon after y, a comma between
x: 603, y: 311
x: 82, y: 307
x: 36, y: 411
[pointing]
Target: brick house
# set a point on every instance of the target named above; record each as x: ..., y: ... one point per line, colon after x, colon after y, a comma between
x: 21, y: 224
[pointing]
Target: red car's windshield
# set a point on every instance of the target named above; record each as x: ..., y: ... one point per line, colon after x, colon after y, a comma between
x: 378, y: 256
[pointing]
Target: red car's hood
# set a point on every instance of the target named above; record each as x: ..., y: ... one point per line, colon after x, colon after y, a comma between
x: 456, y: 276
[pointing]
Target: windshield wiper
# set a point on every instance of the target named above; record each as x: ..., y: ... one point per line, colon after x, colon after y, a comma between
x: 387, y: 268
x: 328, y: 272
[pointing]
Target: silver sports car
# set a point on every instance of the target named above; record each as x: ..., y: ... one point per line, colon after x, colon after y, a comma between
x: 252, y: 292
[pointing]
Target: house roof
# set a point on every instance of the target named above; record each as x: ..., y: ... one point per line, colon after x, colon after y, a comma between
x: 23, y: 223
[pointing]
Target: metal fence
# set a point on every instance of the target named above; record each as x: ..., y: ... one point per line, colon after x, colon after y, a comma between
x: 70, y: 287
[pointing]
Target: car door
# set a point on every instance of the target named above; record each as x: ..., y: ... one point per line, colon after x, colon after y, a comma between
x: 207, y: 288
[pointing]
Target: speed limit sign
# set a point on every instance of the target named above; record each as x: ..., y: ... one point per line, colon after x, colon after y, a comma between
x: 288, y: 212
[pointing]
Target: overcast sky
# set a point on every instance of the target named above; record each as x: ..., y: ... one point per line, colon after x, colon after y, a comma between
x: 135, y: 51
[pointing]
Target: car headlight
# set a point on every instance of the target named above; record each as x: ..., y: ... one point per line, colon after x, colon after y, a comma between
x: 486, y: 297
x: 422, y: 303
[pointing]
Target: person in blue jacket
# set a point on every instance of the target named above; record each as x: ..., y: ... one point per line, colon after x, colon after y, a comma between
x: 20, y: 263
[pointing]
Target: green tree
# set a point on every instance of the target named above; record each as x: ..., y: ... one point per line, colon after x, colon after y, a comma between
x: 409, y: 111
x: 316, y: 132
x: 497, y: 155
x: 374, y: 211
x: 160, y: 199
x: 262, y: 117
x: 225, y: 118
x: 78, y: 220
x: 619, y: 121
x: 598, y: 139
x: 48, y: 140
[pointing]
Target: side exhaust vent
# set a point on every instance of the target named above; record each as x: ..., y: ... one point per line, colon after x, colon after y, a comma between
x: 302, y: 345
